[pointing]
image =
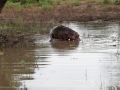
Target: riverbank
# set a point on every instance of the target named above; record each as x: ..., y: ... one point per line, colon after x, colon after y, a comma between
x: 84, y: 12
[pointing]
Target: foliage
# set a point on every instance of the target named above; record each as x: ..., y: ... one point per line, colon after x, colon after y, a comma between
x: 15, y: 1
x: 11, y: 4
x: 106, y: 1
x: 41, y: 46
x: 28, y: 3
x: 77, y: 3
x: 1, y: 53
x: 48, y: 3
x: 22, y: 62
x: 117, y: 2
x: 17, y: 27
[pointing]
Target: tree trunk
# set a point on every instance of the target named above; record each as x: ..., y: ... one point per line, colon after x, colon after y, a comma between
x: 2, y: 3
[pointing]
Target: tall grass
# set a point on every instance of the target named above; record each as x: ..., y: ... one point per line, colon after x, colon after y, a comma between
x: 11, y: 4
x: 106, y: 1
x: 76, y: 3
x: 117, y: 2
x: 29, y: 3
x: 17, y: 27
x: 48, y: 3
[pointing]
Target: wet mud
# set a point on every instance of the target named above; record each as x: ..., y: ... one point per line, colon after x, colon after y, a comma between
x: 16, y: 41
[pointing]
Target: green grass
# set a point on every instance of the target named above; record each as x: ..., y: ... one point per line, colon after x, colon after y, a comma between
x: 76, y: 3
x: 11, y: 4
x: 114, y: 45
x: 46, y: 4
x: 16, y: 27
x: 22, y: 62
x: 41, y: 46
x: 106, y: 1
x: 117, y: 2
x: 1, y: 53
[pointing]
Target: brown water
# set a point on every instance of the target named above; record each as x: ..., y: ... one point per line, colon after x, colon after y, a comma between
x: 91, y: 64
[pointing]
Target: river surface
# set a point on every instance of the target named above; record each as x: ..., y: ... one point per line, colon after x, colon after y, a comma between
x: 91, y: 64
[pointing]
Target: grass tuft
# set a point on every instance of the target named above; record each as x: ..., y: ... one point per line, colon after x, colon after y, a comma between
x: 11, y: 4
x: 106, y: 1
x: 76, y: 3
x: 1, y: 53
x: 41, y: 46
x: 117, y: 2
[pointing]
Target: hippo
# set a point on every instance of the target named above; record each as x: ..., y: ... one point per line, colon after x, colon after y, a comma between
x: 63, y: 33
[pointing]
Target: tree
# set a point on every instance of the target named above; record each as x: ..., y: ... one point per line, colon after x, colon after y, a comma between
x: 2, y: 3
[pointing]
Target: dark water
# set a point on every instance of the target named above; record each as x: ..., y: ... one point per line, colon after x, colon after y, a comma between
x: 91, y: 64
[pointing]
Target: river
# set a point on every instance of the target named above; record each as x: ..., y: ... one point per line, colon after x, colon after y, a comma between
x: 91, y: 64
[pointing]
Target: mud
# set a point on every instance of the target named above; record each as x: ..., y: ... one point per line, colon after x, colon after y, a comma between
x: 87, y: 11
x: 16, y: 41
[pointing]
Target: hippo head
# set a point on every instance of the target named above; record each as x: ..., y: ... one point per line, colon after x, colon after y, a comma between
x: 64, y: 33
x: 74, y: 36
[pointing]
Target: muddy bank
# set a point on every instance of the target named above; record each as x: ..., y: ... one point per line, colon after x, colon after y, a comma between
x: 16, y: 41
x: 87, y: 11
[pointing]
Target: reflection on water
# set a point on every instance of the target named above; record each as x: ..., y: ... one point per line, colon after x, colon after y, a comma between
x: 91, y: 64
x: 64, y: 44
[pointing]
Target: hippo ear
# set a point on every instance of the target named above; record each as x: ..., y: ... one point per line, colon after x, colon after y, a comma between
x: 59, y: 26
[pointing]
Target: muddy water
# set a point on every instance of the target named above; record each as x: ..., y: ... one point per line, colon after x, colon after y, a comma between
x: 91, y: 64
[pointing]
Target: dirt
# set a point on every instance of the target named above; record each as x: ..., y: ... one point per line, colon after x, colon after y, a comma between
x: 16, y: 41
x: 87, y: 11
